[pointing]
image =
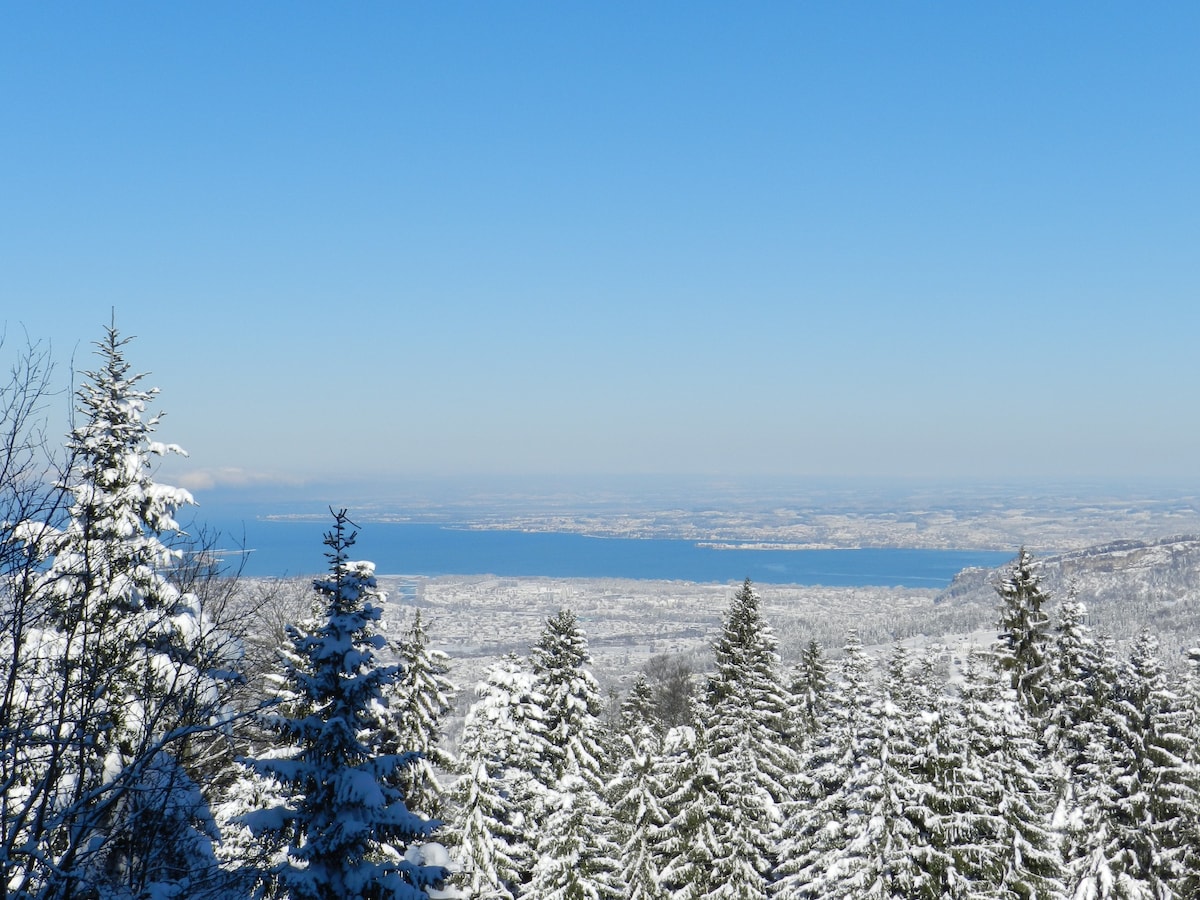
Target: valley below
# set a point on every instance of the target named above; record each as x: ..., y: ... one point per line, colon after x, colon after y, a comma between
x: 477, y: 620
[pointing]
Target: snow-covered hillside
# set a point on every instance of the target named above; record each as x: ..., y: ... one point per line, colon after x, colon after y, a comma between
x: 1123, y: 584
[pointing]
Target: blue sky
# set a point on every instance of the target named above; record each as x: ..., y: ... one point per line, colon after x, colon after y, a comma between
x: 382, y: 240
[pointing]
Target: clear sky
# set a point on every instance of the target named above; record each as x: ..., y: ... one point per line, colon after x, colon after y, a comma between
x: 406, y: 239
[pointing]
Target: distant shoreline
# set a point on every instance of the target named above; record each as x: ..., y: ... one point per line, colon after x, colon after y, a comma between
x: 280, y: 548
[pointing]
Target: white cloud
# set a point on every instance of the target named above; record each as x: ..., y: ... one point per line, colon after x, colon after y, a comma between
x: 231, y: 476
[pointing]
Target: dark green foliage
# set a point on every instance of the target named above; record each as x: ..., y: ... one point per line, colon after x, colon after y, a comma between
x: 1021, y: 648
x: 671, y: 679
x: 639, y: 715
x: 809, y: 689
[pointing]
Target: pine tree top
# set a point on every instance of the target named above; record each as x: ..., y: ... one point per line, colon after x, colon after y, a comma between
x: 346, y: 807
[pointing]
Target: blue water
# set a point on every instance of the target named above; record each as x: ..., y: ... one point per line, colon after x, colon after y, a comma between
x: 296, y: 548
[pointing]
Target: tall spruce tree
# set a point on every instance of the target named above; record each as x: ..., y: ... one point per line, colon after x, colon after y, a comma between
x: 1004, y: 803
x: 418, y: 702
x: 813, y: 844
x: 888, y: 842
x: 1092, y: 847
x: 576, y: 851
x: 349, y: 825
x: 577, y: 856
x: 1173, y: 783
x: 1143, y: 843
x: 746, y: 722
x: 114, y: 669
x: 636, y: 796
x: 1076, y: 734
x: 1189, y: 698
x: 1081, y: 684
x: 1022, y: 647
x: 746, y: 693
x: 941, y: 766
x: 481, y: 824
x: 809, y: 687
x: 496, y: 807
x: 571, y: 701
x: 484, y: 839
x: 894, y: 845
x: 689, y: 847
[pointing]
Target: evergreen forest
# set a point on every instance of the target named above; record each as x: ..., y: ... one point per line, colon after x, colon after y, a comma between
x: 149, y: 751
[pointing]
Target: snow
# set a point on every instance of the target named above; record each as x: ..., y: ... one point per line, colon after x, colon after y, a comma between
x: 359, y: 788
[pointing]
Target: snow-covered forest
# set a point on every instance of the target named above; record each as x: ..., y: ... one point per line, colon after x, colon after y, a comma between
x: 151, y: 748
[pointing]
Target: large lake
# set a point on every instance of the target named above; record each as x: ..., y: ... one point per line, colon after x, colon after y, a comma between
x: 296, y: 548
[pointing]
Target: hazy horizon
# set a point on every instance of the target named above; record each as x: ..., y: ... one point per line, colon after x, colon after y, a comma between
x: 508, y: 498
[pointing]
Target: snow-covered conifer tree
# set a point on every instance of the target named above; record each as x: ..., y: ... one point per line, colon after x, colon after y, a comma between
x: 1021, y: 648
x: 1173, y: 783
x: 636, y: 795
x: 577, y: 856
x: 419, y: 700
x: 576, y: 848
x: 1081, y: 682
x: 688, y: 849
x: 1076, y: 733
x: 813, y: 840
x: 889, y: 841
x: 642, y: 818
x: 746, y: 693
x: 1189, y: 704
x: 487, y: 823
x: 941, y: 766
x: 242, y: 853
x: 746, y: 726
x: 1004, y: 802
x: 349, y: 825
x: 1143, y: 842
x: 571, y: 700
x: 809, y: 686
x: 496, y: 806
x: 893, y: 840
x: 639, y: 717
x: 483, y: 837
x: 116, y: 663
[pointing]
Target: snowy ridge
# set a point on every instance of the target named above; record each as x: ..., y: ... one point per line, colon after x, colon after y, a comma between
x: 1122, y: 584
